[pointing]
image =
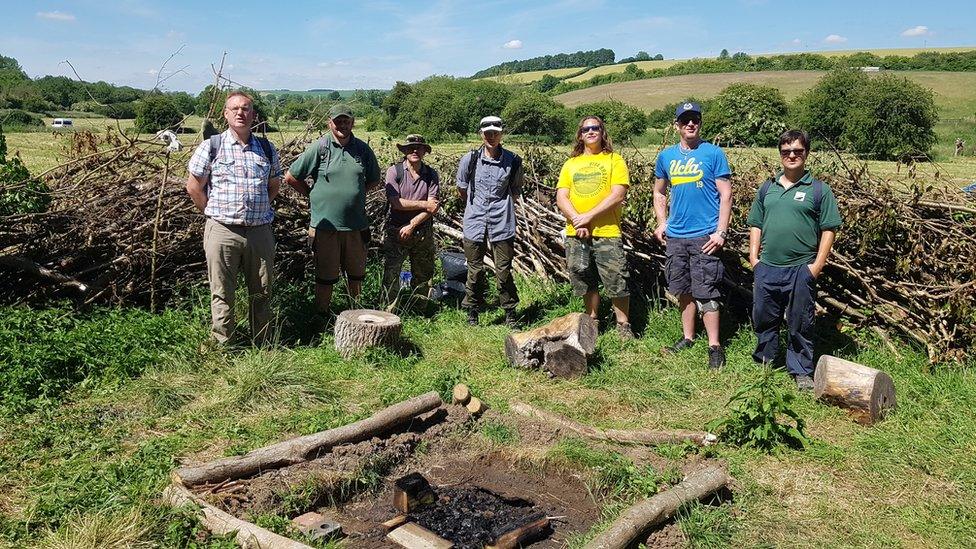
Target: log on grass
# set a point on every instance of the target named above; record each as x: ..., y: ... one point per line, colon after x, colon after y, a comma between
x: 642, y: 516
x: 303, y: 448
x: 359, y: 329
x: 649, y: 437
x: 561, y: 347
x: 220, y: 523
x: 865, y: 392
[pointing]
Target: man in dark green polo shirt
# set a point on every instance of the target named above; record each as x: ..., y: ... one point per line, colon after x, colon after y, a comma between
x: 343, y: 169
x: 793, y: 222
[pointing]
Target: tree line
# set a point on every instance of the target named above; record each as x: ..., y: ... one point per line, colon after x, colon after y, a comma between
x: 593, y: 58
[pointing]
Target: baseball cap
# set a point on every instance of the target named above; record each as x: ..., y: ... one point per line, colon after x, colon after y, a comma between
x: 340, y: 110
x: 491, y: 123
x: 688, y: 106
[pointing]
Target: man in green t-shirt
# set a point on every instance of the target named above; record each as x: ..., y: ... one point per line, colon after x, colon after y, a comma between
x: 343, y: 169
x: 793, y: 222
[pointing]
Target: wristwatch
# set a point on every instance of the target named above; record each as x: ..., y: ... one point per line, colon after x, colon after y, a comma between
x: 723, y: 234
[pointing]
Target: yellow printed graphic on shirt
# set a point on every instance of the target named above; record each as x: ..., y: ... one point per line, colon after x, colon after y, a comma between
x: 589, y: 179
x: 687, y: 171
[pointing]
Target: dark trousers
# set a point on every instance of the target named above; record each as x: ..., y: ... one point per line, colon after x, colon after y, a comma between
x: 789, y: 290
x: 502, y: 253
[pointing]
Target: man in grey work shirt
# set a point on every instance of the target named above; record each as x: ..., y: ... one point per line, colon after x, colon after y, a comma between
x: 489, y: 180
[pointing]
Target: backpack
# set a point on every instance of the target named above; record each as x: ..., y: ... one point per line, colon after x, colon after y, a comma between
x: 217, y: 140
x: 398, y: 172
x: 817, y: 196
x: 473, y: 166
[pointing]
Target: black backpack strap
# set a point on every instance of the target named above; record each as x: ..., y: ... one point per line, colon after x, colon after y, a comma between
x: 398, y: 172
x: 516, y: 168
x: 266, y: 147
x: 817, y: 200
x: 761, y: 196
x: 215, y: 142
x: 472, y: 167
x: 325, y: 153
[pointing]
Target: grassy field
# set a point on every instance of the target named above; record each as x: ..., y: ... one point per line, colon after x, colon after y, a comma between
x: 532, y: 76
x: 96, y: 457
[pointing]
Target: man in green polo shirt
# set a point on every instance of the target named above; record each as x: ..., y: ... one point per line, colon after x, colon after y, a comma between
x: 793, y: 222
x: 343, y: 169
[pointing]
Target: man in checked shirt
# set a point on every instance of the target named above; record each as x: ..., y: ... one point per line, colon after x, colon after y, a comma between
x: 233, y: 177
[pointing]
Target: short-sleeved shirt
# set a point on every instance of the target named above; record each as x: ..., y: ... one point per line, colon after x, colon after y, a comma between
x: 338, y: 196
x: 237, y: 190
x: 693, y: 210
x: 490, y: 209
x: 425, y: 187
x: 589, y: 178
x: 787, y: 218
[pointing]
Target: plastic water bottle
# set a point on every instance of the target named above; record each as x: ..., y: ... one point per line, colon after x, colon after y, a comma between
x: 405, y: 278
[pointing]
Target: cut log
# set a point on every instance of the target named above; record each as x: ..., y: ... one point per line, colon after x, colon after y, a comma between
x: 642, y: 516
x: 412, y: 492
x: 561, y: 347
x: 866, y: 393
x: 414, y: 536
x: 220, y: 523
x: 648, y: 437
x: 461, y: 394
x: 359, y: 329
x: 522, y: 534
x: 476, y: 406
x: 303, y: 448
x: 395, y: 522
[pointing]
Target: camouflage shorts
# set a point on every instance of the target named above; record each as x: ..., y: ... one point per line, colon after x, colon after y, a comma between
x: 595, y: 260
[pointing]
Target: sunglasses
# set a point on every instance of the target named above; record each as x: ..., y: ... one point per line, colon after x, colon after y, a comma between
x: 789, y: 152
x: 689, y: 121
x: 490, y: 124
x: 415, y: 148
x: 588, y: 129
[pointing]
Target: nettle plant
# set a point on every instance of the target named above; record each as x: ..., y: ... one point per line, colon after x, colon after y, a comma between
x: 761, y: 416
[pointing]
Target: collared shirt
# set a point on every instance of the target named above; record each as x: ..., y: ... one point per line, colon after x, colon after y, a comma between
x: 237, y: 190
x: 425, y: 187
x: 490, y: 210
x: 787, y: 219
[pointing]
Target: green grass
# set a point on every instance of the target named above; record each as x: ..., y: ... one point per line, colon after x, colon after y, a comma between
x: 99, y: 450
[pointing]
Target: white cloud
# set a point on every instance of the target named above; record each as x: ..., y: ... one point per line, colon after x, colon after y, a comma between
x: 56, y: 15
x: 513, y: 45
x: 835, y: 39
x: 920, y: 30
x: 796, y: 42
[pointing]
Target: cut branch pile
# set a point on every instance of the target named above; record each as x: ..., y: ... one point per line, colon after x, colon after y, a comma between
x: 119, y: 231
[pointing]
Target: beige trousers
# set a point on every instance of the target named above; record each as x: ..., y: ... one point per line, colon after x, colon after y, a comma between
x: 228, y: 250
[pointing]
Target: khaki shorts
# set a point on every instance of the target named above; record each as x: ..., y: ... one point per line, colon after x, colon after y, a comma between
x: 338, y: 252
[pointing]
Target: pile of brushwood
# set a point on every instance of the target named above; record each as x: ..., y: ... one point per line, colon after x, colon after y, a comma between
x: 121, y: 229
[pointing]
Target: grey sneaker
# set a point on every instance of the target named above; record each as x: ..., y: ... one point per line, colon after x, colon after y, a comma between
x: 680, y: 345
x: 804, y: 383
x: 624, y: 331
x: 473, y: 317
x: 716, y: 357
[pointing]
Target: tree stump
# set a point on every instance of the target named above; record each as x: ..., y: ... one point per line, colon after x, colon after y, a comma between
x: 359, y: 329
x: 865, y: 392
x: 561, y: 347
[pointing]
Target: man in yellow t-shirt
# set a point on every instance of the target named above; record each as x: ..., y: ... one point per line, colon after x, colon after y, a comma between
x: 590, y: 194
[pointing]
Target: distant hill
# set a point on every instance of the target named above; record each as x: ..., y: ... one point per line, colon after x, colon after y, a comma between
x: 594, y: 58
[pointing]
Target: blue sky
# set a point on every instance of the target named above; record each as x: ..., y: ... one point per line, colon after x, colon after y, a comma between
x: 373, y: 43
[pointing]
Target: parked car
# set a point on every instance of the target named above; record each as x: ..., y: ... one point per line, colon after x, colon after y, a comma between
x: 61, y: 123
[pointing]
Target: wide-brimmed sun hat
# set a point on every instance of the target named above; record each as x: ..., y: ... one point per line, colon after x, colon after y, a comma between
x: 412, y: 140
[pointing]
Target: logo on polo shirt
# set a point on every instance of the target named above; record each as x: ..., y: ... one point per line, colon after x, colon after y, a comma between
x: 799, y: 196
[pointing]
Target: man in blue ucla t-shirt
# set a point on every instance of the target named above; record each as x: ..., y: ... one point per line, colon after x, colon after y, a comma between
x: 694, y: 226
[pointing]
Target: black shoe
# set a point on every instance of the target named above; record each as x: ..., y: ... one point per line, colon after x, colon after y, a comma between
x: 680, y: 345
x: 803, y: 383
x: 716, y: 357
x: 473, y: 317
x: 510, y: 320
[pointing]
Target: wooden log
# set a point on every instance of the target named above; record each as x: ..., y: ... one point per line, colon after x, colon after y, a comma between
x: 300, y: 449
x: 359, y: 329
x: 461, y: 394
x: 647, y: 437
x: 560, y: 347
x: 414, y: 536
x: 411, y: 492
x: 866, y: 393
x: 644, y: 515
x: 476, y: 406
x: 523, y: 534
x: 222, y: 523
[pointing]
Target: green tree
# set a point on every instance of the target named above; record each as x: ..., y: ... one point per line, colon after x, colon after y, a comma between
x: 890, y: 118
x: 822, y: 110
x: 724, y: 54
x: 156, y: 112
x: 546, y: 83
x: 531, y: 113
x: 747, y: 114
x: 334, y: 96
x: 623, y: 121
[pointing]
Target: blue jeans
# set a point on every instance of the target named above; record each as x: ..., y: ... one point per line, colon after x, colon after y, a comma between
x: 789, y: 290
